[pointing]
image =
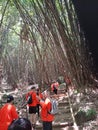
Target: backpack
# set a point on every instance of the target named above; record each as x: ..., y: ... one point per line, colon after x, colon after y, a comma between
x: 54, y: 108
x: 29, y: 99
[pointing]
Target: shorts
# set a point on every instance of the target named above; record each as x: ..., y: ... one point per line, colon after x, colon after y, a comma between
x: 32, y: 109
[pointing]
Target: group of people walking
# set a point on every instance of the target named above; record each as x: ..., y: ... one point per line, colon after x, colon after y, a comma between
x: 40, y: 100
x: 39, y: 108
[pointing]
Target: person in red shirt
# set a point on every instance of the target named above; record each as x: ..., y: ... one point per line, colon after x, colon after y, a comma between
x: 54, y: 86
x: 46, y: 117
x: 8, y: 113
x: 32, y: 106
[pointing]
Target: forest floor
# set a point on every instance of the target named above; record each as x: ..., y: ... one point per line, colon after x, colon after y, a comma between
x: 89, y: 100
x: 63, y: 118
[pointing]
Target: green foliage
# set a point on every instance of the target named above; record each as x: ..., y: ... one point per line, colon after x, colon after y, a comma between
x: 91, y: 114
x: 80, y: 116
x: 60, y: 79
x: 85, y: 115
x: 4, y: 96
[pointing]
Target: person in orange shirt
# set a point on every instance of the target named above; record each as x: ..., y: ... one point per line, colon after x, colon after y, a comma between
x: 54, y: 86
x: 8, y: 113
x: 46, y: 117
x: 32, y: 106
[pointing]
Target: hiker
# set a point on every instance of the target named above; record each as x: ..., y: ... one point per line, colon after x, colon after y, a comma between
x: 32, y: 106
x: 38, y: 92
x: 20, y: 124
x: 46, y: 105
x: 8, y: 113
x: 54, y: 86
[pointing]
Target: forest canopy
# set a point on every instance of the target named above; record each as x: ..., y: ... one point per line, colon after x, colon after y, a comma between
x: 41, y: 40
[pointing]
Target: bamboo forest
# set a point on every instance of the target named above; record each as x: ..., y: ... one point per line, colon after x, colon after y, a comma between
x: 41, y: 44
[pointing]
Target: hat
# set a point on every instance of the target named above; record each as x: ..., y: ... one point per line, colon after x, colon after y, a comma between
x: 10, y: 98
